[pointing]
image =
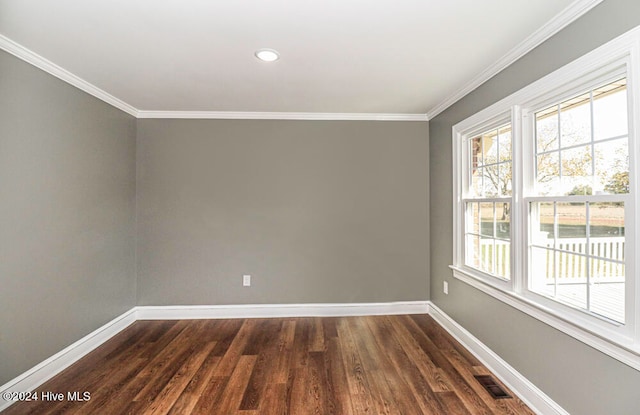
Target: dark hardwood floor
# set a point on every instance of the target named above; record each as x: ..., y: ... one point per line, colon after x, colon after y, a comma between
x: 347, y: 365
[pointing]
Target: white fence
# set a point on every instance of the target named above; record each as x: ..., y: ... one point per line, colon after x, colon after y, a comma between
x: 571, y: 256
x: 602, y: 254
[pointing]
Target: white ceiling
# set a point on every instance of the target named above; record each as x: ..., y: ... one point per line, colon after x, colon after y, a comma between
x: 337, y: 56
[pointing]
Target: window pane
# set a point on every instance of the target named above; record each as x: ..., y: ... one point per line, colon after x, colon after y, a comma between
x: 490, y: 175
x: 572, y: 269
x: 542, y: 224
x: 583, y: 272
x: 490, y: 146
x: 504, y: 143
x: 548, y: 174
x: 486, y: 254
x: 503, y: 259
x: 547, y: 129
x: 606, y: 230
x: 572, y: 224
x: 612, y: 166
x: 486, y: 219
x: 576, y: 170
x: 575, y: 121
x: 472, y: 250
x: 571, y: 280
x: 476, y: 182
x: 543, y: 271
x: 503, y: 220
x: 610, y: 110
x: 586, y: 167
x: 505, y: 175
x: 607, y: 298
x: 491, y: 180
x: 476, y: 152
x: 607, y: 289
x: 473, y: 218
x: 606, y: 221
x: 603, y: 271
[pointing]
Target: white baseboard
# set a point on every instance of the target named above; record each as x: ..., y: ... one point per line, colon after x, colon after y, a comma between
x: 537, y: 400
x: 47, y: 369
x: 528, y: 392
x: 279, y: 310
x: 36, y: 376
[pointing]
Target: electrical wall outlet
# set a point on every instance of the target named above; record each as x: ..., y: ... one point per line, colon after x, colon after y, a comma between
x: 445, y: 287
x: 246, y: 280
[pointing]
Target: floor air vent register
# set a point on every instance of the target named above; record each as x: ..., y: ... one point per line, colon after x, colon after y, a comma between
x: 490, y: 384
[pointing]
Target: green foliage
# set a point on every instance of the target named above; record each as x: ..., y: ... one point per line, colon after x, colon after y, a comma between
x: 581, y: 190
x: 619, y: 183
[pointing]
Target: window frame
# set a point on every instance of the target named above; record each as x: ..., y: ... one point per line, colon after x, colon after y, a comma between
x: 618, y: 58
x: 493, y: 123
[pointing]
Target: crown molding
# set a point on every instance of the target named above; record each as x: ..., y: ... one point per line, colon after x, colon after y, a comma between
x: 567, y: 16
x: 560, y: 21
x: 51, y: 68
x: 563, y: 19
x: 46, y: 65
x: 309, y: 116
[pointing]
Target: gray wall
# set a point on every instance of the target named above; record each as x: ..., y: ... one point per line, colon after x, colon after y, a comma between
x: 67, y: 215
x: 581, y: 379
x: 315, y: 211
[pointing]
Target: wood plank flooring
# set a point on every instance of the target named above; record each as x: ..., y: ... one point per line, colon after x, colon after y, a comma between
x: 298, y: 366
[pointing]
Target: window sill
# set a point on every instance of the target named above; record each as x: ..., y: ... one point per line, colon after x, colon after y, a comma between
x: 627, y: 354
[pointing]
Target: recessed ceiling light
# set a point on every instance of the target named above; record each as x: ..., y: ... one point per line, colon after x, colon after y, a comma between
x: 267, y: 55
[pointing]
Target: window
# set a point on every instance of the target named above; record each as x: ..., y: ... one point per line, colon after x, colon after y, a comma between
x: 488, y: 205
x: 577, y: 208
x: 546, y: 195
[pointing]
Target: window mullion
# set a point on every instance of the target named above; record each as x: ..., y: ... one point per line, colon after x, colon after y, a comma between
x: 593, y: 191
x: 593, y: 146
x: 559, y: 145
x: 518, y: 213
x: 588, y: 254
x: 556, y: 264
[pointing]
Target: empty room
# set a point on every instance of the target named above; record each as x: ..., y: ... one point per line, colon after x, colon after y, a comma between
x: 338, y: 207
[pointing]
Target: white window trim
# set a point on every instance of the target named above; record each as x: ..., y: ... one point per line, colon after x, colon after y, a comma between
x: 494, y: 122
x: 621, y: 342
